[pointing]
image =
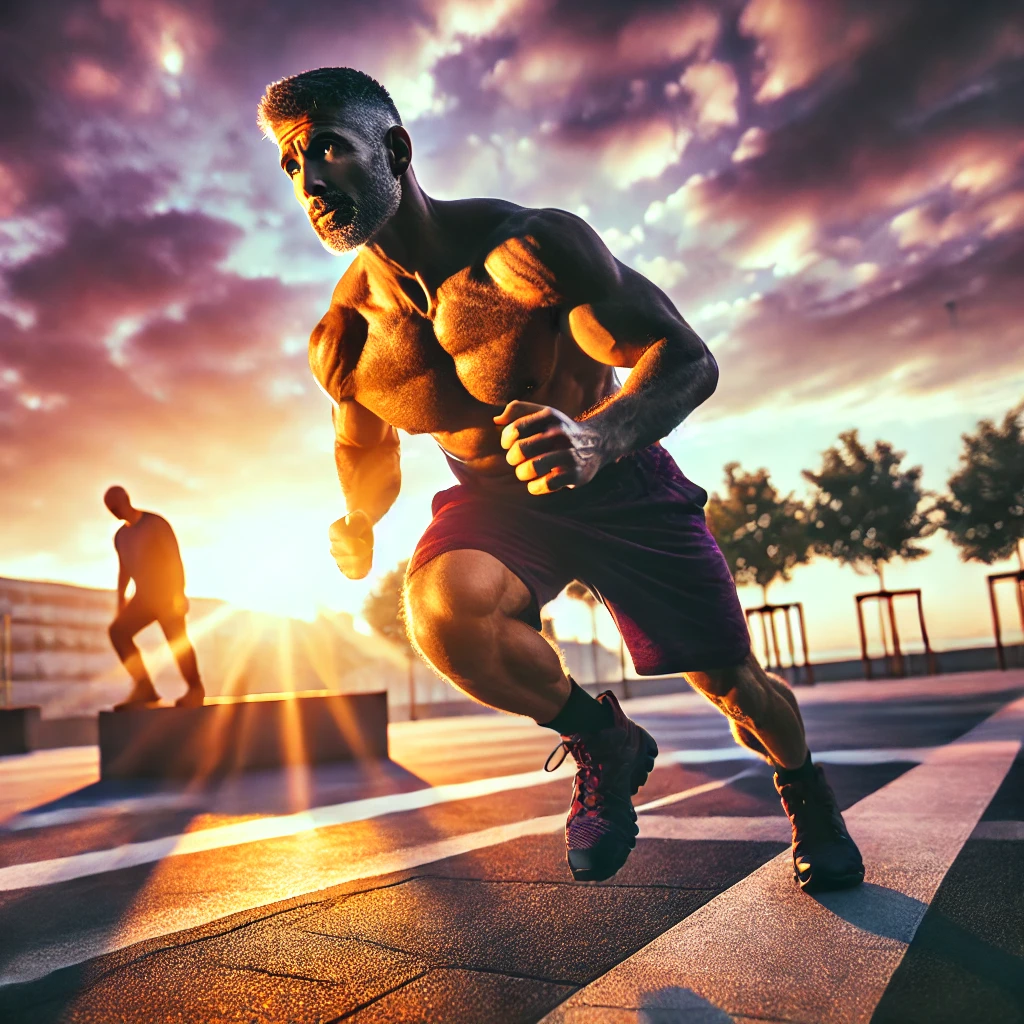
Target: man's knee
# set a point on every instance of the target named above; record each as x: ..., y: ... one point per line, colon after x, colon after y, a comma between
x: 455, y: 599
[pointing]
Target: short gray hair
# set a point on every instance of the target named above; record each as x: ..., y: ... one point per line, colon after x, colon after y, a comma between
x: 368, y: 105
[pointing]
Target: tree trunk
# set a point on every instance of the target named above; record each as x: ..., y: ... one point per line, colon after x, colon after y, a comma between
x: 881, y: 577
x: 1020, y: 553
x: 764, y: 593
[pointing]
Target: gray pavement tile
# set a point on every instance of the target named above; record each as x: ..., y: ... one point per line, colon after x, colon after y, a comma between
x: 560, y: 933
x: 966, y: 962
x: 852, y: 782
x: 668, y: 779
x: 464, y: 997
x: 920, y: 722
x: 1008, y: 803
x: 173, y: 988
x: 361, y: 970
x: 655, y: 862
x: 753, y: 796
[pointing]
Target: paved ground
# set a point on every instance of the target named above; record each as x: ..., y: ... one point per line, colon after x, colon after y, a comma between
x: 434, y: 889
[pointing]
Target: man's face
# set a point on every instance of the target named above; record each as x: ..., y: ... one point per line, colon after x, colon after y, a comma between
x: 342, y: 180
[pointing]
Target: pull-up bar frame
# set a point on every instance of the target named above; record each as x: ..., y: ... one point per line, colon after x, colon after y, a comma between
x: 895, y: 661
x: 766, y: 613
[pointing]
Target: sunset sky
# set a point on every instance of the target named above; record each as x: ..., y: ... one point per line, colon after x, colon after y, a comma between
x: 811, y: 181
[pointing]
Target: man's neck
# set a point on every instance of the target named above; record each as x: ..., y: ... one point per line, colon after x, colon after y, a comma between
x: 412, y: 241
x: 133, y: 517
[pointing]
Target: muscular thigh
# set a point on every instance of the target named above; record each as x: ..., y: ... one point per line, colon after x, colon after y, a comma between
x: 465, y: 583
x: 482, y: 545
x: 134, y: 617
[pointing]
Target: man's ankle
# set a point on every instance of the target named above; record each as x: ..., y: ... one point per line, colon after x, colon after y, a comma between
x: 581, y: 713
x: 800, y: 774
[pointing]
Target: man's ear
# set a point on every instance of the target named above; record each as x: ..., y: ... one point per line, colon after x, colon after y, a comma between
x: 399, y: 147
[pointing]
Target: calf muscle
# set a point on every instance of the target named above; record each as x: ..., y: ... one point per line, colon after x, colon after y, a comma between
x: 762, y: 710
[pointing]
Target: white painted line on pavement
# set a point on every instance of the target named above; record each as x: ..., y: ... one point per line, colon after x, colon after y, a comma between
x: 36, y: 963
x: 999, y: 830
x: 873, y: 755
x: 766, y: 829
x: 89, y: 812
x: 686, y: 794
x: 255, y: 830
x: 734, y: 957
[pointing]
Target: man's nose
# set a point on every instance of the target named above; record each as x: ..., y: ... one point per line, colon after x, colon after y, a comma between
x: 312, y: 182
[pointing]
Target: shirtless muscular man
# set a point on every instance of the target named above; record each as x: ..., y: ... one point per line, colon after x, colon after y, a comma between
x: 496, y: 329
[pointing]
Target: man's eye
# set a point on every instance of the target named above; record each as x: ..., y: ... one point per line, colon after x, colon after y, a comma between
x: 291, y: 168
x: 319, y: 150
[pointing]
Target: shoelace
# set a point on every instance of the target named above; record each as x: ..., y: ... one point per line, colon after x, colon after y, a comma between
x: 564, y: 748
x: 588, y: 778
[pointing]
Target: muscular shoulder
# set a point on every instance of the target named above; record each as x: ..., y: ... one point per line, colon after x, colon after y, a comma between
x: 337, y: 340
x: 550, y: 256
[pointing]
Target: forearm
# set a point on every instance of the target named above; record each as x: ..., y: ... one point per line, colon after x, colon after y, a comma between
x: 370, y: 477
x: 667, y: 383
x: 122, y: 586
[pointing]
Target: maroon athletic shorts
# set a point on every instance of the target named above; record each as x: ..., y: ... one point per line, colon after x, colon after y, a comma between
x: 635, y: 535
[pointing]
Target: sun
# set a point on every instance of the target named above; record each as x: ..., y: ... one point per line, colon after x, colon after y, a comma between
x: 272, y: 560
x: 172, y: 58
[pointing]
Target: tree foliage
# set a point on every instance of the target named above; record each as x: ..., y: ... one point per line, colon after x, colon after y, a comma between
x: 762, y: 534
x: 867, y: 510
x: 383, y: 608
x: 983, y: 513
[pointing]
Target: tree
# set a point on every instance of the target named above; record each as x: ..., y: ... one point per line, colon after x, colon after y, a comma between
x: 984, y: 510
x: 762, y: 534
x: 384, y: 610
x: 579, y: 592
x: 867, y: 510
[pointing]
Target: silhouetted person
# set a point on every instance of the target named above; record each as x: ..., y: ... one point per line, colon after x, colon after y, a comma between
x: 147, y: 552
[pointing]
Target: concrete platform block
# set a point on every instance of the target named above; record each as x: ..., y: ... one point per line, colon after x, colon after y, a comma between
x: 233, y: 734
x: 18, y: 728
x: 80, y: 731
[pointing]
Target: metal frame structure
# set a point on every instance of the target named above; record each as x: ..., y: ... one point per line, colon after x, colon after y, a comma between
x: 1018, y: 577
x: 894, y: 661
x: 766, y: 613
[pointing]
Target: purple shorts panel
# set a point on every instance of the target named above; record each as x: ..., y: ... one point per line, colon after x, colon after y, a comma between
x: 635, y: 535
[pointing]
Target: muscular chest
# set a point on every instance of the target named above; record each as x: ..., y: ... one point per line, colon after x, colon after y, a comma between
x: 474, y: 350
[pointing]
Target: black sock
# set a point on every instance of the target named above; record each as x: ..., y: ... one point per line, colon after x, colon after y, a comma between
x: 802, y: 774
x: 581, y: 713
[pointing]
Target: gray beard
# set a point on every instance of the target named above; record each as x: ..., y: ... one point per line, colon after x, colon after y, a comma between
x: 345, y: 222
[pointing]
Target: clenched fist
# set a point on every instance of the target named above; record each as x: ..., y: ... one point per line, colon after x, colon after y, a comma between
x: 352, y: 544
x: 548, y: 449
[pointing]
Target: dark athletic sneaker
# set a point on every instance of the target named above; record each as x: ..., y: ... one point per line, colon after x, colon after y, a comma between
x: 824, y: 855
x: 612, y: 765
